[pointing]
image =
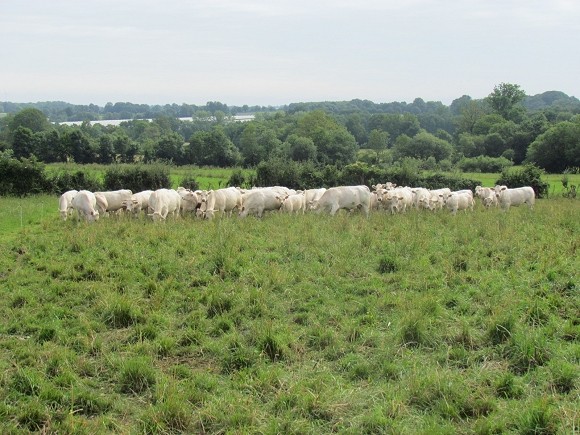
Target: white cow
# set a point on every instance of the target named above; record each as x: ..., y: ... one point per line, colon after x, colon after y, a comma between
x: 459, y: 201
x: 138, y: 201
x: 311, y: 197
x: 519, y: 195
x: 375, y: 203
x: 190, y: 200
x: 465, y: 191
x: 256, y: 201
x: 421, y: 197
x: 345, y: 197
x: 487, y: 195
x: 386, y: 186
x: 85, y: 203
x: 397, y: 200
x: 294, y: 203
x: 115, y: 199
x: 65, y: 203
x: 389, y: 201
x: 223, y: 200
x: 164, y: 202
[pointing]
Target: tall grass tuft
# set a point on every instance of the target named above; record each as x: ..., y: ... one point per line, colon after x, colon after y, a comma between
x: 413, y: 331
x: 525, y: 352
x: 538, y: 419
x: 121, y: 313
x: 27, y: 381
x: 564, y: 376
x: 136, y: 376
x: 271, y: 346
x: 500, y: 329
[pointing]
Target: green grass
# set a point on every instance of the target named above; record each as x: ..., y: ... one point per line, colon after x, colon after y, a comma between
x: 416, y: 323
x: 554, y: 180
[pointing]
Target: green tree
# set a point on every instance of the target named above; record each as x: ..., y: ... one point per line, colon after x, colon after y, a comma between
x: 355, y: 125
x: 301, y: 148
x: 494, y: 145
x: 422, y: 146
x: 78, y: 146
x: 268, y: 142
x: 50, y: 147
x: 24, y: 142
x: 334, y: 144
x: 252, y: 152
x: 470, y: 145
x: 378, y: 142
x: 486, y: 124
x: 558, y: 148
x: 212, y: 148
x: 32, y: 119
x: 395, y: 124
x: 504, y: 99
x: 106, y: 151
x: 170, y: 148
x: 470, y: 112
x: 125, y: 149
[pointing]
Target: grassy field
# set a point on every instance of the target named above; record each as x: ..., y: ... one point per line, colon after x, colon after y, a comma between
x: 554, y: 180
x: 417, y: 323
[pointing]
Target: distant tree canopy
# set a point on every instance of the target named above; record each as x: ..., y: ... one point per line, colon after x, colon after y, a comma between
x: 506, y: 125
x: 504, y: 99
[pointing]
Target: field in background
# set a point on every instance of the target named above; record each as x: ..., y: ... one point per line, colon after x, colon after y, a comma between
x: 554, y: 180
x: 415, y: 323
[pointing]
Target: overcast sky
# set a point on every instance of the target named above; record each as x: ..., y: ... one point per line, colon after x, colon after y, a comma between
x: 270, y: 52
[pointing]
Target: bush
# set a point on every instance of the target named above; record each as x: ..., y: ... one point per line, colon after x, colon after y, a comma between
x: 294, y: 175
x: 20, y: 177
x: 484, y: 164
x: 237, y: 179
x: 79, y: 180
x: 438, y: 181
x: 529, y: 175
x: 137, y: 178
x: 189, y: 182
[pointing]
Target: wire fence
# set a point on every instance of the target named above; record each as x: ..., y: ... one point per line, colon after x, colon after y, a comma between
x: 16, y: 214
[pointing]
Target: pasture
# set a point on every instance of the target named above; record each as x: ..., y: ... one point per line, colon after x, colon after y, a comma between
x: 414, y: 323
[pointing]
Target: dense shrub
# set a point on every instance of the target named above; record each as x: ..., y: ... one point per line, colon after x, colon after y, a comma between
x: 291, y: 174
x: 20, y: 177
x: 529, y: 175
x: 137, y: 178
x: 189, y: 182
x: 306, y: 176
x: 484, y: 164
x: 78, y: 180
x: 438, y: 181
x: 237, y: 179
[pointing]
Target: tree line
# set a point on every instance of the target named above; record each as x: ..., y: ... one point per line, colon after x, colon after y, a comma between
x: 505, y: 128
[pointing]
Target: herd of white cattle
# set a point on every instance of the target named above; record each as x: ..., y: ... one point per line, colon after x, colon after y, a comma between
x: 160, y: 203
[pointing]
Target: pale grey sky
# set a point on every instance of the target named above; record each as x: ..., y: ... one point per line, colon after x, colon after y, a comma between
x: 270, y: 52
